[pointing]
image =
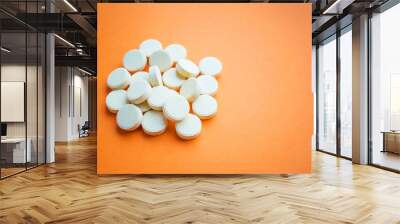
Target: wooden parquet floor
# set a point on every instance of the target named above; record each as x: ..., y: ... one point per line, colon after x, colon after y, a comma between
x: 69, y: 191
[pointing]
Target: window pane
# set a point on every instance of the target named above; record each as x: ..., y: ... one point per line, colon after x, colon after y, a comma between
x: 327, y: 96
x: 346, y: 94
x: 386, y: 88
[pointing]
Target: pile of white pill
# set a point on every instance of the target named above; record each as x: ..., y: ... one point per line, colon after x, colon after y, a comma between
x: 173, y: 88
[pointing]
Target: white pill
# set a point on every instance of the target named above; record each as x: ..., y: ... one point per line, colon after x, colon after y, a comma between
x: 150, y: 46
x: 129, y: 117
x: 208, y: 84
x: 155, y: 77
x: 118, y: 79
x: 143, y: 106
x: 176, y: 108
x: 154, y: 123
x: 140, y: 75
x: 116, y: 99
x: 210, y: 66
x: 188, y: 128
x: 190, y: 89
x: 138, y: 91
x: 173, y: 92
x: 162, y: 59
x: 134, y: 60
x: 205, y: 106
x: 187, y: 68
x: 158, y: 96
x: 176, y: 51
x: 171, y: 79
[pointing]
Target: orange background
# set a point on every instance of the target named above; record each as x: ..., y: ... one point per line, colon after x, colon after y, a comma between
x: 264, y: 121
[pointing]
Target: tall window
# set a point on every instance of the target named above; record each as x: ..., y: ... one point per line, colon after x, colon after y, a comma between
x: 346, y: 92
x: 327, y: 95
x: 385, y: 88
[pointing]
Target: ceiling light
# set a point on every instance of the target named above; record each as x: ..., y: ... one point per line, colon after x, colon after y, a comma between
x: 84, y: 71
x: 70, y: 5
x: 64, y: 40
x: 337, y: 7
x: 5, y: 50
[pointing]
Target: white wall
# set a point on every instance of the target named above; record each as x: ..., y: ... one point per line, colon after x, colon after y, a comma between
x: 12, y: 73
x: 61, y: 103
x: 33, y: 127
x: 80, y: 112
x: 71, y: 93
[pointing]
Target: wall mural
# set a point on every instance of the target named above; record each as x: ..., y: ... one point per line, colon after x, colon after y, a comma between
x: 204, y: 88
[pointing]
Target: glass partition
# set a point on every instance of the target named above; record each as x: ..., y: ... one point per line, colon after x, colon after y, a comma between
x: 14, y: 153
x: 22, y: 77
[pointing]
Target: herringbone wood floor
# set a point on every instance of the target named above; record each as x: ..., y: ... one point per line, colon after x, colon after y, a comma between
x: 69, y: 191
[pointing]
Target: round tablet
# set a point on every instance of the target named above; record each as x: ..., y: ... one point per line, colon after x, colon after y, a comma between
x: 176, y: 108
x: 134, y: 60
x: 187, y: 68
x: 210, y: 66
x: 171, y: 79
x: 190, y: 89
x: 138, y: 91
x: 158, y: 96
x: 188, y: 128
x: 140, y: 75
x: 208, y: 84
x: 118, y: 79
x: 155, y: 78
x: 176, y: 51
x: 143, y: 106
x: 150, y: 46
x: 154, y: 123
x: 129, y: 117
x: 116, y: 99
x: 205, y: 106
x: 162, y: 59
